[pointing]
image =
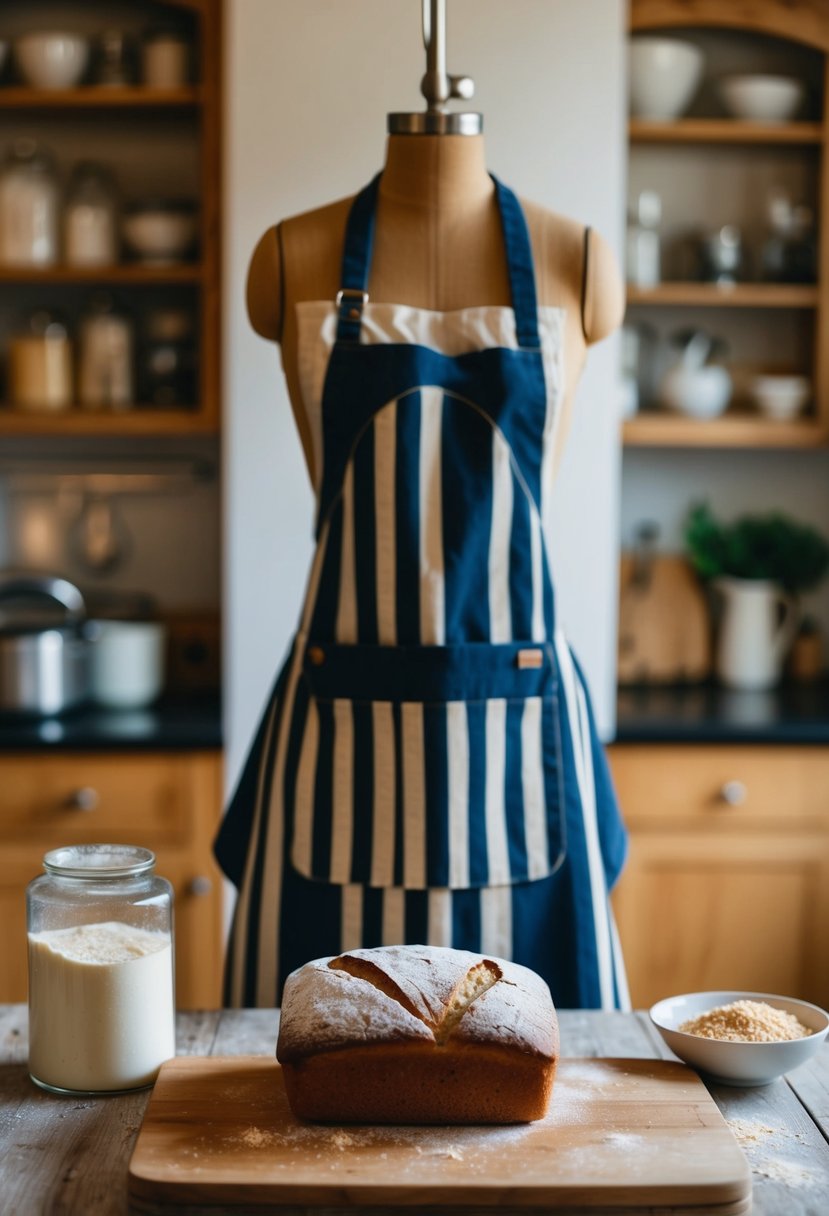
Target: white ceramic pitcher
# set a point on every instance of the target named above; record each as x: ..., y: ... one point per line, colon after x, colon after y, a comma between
x: 753, y: 638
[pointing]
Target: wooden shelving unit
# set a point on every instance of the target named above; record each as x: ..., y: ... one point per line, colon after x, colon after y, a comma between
x: 123, y: 274
x: 799, y: 28
x: 723, y: 131
x: 197, y: 110
x: 726, y: 295
x: 99, y: 97
x: 654, y: 430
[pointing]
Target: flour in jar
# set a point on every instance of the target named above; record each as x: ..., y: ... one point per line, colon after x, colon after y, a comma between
x: 101, y: 1008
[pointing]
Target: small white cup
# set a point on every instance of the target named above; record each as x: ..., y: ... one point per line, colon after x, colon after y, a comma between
x: 126, y: 663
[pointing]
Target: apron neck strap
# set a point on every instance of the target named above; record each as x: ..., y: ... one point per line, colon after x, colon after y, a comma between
x: 359, y: 241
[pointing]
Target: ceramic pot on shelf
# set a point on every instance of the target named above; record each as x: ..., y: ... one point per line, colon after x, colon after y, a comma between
x: 753, y: 637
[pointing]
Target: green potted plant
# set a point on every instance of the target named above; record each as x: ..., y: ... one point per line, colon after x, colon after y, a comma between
x: 759, y: 564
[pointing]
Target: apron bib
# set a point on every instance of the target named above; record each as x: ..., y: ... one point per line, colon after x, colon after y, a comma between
x: 426, y: 734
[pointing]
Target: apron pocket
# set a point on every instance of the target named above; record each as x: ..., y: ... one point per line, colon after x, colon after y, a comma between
x: 426, y: 766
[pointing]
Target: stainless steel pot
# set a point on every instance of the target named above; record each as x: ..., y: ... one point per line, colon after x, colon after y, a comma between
x: 43, y: 664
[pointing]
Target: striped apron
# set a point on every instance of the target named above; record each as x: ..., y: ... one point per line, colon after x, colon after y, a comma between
x: 427, y: 768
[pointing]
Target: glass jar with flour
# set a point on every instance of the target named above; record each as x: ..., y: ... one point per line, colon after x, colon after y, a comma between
x: 101, y: 994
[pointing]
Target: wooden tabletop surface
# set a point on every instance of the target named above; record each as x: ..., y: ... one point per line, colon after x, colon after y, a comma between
x: 70, y: 1155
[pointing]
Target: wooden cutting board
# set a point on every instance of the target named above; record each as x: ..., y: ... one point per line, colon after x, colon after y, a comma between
x: 621, y: 1136
x: 664, y: 630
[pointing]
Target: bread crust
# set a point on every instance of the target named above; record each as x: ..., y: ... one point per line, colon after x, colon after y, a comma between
x: 417, y: 1034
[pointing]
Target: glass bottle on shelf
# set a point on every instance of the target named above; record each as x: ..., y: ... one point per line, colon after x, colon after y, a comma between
x: 116, y: 59
x: 643, y: 261
x: 165, y: 58
x: 90, y: 223
x: 29, y: 202
x: 106, y: 378
x: 167, y: 371
x: 40, y: 364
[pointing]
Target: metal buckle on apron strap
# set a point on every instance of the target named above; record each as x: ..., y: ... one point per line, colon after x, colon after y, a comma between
x: 347, y: 303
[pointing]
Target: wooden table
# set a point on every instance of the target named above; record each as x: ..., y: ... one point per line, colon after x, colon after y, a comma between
x: 66, y: 1155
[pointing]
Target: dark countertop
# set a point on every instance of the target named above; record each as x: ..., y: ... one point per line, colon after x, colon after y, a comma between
x: 708, y: 713
x: 194, y: 724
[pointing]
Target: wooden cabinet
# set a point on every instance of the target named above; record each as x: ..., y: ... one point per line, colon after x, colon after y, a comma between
x: 160, y: 143
x: 169, y: 802
x: 727, y: 881
x: 711, y: 170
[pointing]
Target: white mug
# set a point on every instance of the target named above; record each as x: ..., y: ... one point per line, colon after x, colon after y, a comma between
x: 126, y: 662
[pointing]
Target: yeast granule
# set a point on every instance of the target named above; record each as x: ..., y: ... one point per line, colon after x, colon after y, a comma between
x: 746, y: 1022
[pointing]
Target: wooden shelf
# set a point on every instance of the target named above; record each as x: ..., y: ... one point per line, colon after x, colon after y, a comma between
x: 729, y: 431
x: 102, y: 97
x: 179, y: 272
x: 727, y: 295
x: 136, y: 421
x: 724, y: 131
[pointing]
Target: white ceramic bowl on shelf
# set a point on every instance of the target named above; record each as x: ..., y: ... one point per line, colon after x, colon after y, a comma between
x: 664, y: 74
x: 780, y: 397
x: 52, y: 59
x: 747, y: 1064
x: 160, y: 232
x: 762, y: 98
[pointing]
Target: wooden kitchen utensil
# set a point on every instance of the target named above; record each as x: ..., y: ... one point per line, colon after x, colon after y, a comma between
x: 664, y: 630
x: 620, y: 1135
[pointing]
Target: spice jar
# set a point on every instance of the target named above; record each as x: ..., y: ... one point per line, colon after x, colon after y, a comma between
x: 40, y: 364
x: 105, y: 363
x: 165, y: 59
x: 90, y: 221
x: 167, y: 370
x: 101, y: 1003
x: 28, y: 206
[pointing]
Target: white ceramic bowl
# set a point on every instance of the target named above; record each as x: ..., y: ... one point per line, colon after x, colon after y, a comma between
x: 702, y: 392
x: 52, y: 60
x: 126, y: 662
x: 780, y: 398
x: 746, y: 1064
x: 761, y: 98
x: 159, y: 234
x: 664, y: 74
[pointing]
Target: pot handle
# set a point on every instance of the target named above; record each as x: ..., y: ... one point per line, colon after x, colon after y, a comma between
x: 14, y: 584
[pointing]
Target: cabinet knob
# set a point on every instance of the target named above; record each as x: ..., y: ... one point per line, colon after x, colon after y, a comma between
x: 86, y: 798
x: 200, y: 885
x: 733, y: 793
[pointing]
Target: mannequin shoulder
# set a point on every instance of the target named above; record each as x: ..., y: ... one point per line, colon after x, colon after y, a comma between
x: 297, y: 259
x: 576, y: 269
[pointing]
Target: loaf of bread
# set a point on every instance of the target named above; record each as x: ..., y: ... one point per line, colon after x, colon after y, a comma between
x: 417, y: 1034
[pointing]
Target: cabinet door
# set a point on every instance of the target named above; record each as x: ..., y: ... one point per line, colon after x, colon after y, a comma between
x: 198, y: 929
x: 167, y: 802
x: 736, y: 912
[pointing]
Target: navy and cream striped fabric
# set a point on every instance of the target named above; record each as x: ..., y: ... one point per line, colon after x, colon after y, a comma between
x: 428, y: 768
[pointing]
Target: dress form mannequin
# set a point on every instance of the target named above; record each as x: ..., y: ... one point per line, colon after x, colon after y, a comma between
x: 437, y: 231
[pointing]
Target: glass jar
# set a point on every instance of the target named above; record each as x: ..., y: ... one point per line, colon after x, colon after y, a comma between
x: 101, y: 997
x: 28, y: 206
x: 165, y: 59
x: 106, y: 377
x: 167, y: 370
x: 40, y: 363
x: 115, y: 59
x: 90, y: 224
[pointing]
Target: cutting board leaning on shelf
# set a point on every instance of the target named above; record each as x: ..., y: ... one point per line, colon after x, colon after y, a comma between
x: 664, y: 630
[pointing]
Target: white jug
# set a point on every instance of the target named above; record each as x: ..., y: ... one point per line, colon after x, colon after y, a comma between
x: 753, y: 638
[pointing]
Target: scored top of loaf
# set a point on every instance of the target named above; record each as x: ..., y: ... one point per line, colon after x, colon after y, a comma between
x: 426, y: 994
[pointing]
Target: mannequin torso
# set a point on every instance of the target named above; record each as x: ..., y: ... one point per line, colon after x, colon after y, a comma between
x: 437, y: 226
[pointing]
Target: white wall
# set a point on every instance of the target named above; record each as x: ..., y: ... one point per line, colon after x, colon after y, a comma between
x: 309, y: 85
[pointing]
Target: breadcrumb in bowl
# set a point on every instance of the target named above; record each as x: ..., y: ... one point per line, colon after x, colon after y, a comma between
x: 738, y: 1037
